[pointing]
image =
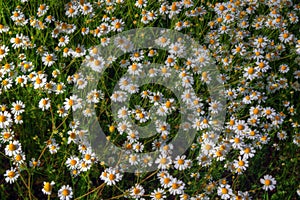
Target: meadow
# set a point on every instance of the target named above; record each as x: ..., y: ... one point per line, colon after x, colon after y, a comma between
x: 125, y: 99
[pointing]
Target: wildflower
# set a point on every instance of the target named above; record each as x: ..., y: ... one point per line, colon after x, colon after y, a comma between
x: 137, y: 191
x: 158, y: 194
x: 48, y: 59
x: 3, y: 51
x: 11, y: 175
x: 43, y: 8
x: 13, y: 148
x: 163, y: 161
x: 111, y: 176
x: 47, y: 188
x: 6, y: 135
x: 63, y: 41
x: 181, y: 163
x: 19, y: 159
x: 65, y: 192
x: 17, y: 41
x: 5, y: 119
x: 44, y: 104
x: 117, y: 25
x: 225, y: 191
x: 72, y: 162
x: 268, y: 182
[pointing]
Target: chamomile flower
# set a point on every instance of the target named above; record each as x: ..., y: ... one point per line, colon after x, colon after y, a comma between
x: 181, y: 163
x: 17, y: 107
x: 44, y: 104
x: 5, y: 120
x: 111, y: 176
x: 65, y: 193
x: 11, y: 175
x: 117, y: 25
x: 225, y: 191
x: 3, y: 51
x: 13, y: 148
x: 47, y: 187
x: 136, y: 191
x: 163, y: 161
x: 49, y: 59
x: 72, y: 162
x: 268, y: 182
x: 158, y: 194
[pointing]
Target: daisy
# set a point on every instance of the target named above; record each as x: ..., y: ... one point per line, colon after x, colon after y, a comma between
x: 85, y: 30
x: 49, y: 19
x: 225, y: 191
x: 135, y: 69
x: 6, y: 135
x: 44, y: 104
x: 181, y: 163
x: 141, y: 3
x: 240, y: 165
x: 241, y: 127
x: 11, y: 175
x: 3, y: 28
x: 63, y: 41
x: 268, y: 182
x: 86, y: 9
x: 34, y: 163
x: 163, y: 10
x: 49, y: 59
x: 282, y: 135
x: 137, y: 56
x: 158, y: 194
x: 260, y: 42
x: 174, y: 9
x: 53, y: 148
x: 163, y: 161
x: 17, y: 107
x: 162, y: 41
x: 111, y: 176
x: 283, y: 68
x: 170, y: 61
x: 65, y: 192
x: 72, y: 162
x: 247, y: 151
x: 7, y: 83
x: 117, y: 25
x: 3, y: 51
x: 13, y: 148
x: 72, y: 102
x: 72, y: 11
x: 19, y: 159
x: 47, y: 187
x: 79, y: 51
x: 250, y: 73
x: 137, y: 191
x: 43, y: 8
x: 105, y: 41
x: 286, y: 37
x: 176, y: 187
x: 5, y: 119
x: 123, y: 126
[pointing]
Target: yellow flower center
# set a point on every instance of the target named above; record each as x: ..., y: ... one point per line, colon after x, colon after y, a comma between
x: 267, y: 182
x: 224, y: 191
x: 180, y: 162
x: 111, y: 177
x: 2, y: 118
x: 65, y: 192
x: 47, y: 187
x: 11, y: 174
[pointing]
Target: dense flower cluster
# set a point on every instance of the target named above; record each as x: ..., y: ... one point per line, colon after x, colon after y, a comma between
x: 255, y: 45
